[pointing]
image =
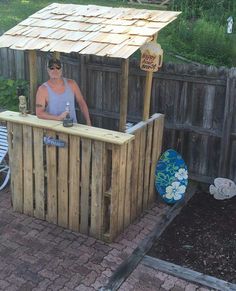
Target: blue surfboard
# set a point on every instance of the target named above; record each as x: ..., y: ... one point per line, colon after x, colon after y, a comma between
x: 171, y: 177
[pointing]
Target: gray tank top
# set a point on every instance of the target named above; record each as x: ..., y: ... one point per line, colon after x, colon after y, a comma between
x: 57, y: 102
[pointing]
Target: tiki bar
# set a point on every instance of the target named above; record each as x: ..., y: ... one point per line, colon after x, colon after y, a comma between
x: 88, y: 179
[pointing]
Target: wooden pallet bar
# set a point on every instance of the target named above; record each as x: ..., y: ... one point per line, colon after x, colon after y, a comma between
x: 92, y: 184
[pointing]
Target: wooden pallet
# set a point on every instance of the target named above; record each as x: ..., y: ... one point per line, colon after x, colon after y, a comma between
x: 94, y: 184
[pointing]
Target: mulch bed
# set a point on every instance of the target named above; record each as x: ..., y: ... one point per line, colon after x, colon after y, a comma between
x: 202, y: 237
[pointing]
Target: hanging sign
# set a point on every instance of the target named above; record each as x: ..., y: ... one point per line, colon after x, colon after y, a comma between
x: 151, y: 57
x: 48, y: 140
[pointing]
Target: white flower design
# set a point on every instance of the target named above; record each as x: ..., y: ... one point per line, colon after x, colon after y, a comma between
x: 175, y: 191
x: 182, y: 174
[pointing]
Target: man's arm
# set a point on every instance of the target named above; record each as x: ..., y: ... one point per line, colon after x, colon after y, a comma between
x: 41, y: 102
x: 79, y: 98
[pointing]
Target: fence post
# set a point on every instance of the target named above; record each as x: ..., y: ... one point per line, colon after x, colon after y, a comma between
x: 227, y: 122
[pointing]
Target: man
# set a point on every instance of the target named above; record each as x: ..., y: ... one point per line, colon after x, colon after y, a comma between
x: 57, y: 93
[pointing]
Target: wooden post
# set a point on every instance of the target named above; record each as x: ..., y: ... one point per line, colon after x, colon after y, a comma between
x: 147, y: 93
x: 33, y: 79
x: 147, y: 96
x: 124, y: 94
x: 227, y: 124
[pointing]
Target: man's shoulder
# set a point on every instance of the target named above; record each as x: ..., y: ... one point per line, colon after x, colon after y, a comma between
x: 70, y: 81
x: 42, y: 88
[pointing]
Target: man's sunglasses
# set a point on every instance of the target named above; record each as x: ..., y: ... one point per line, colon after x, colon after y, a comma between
x: 55, y: 68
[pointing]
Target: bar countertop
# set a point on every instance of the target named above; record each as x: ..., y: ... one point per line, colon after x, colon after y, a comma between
x: 81, y: 130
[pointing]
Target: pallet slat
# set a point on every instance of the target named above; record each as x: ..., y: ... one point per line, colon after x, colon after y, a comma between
x: 114, y: 192
x: 63, y: 199
x: 28, y: 170
x: 51, y: 181
x: 39, y: 191
x: 97, y: 198
x: 74, y: 183
x: 17, y: 167
x: 85, y: 185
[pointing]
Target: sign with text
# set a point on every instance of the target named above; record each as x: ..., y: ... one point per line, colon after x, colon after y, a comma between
x: 151, y: 57
x: 48, y: 140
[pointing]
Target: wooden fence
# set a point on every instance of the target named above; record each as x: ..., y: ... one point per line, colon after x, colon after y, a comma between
x: 198, y: 103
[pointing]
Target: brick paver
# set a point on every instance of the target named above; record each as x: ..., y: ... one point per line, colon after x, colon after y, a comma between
x: 36, y: 255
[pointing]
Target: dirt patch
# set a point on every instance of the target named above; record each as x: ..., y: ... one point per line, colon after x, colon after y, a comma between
x: 202, y: 237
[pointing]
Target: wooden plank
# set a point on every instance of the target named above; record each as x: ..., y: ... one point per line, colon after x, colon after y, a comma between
x: 33, y: 79
x: 81, y: 130
x: 114, y: 191
x: 147, y: 166
x: 85, y: 185
x: 227, y: 124
x: 17, y: 167
x: 156, y: 150
x: 128, y: 184
x: 74, y: 183
x: 95, y: 133
x: 20, y: 65
x: 122, y: 186
x: 124, y: 88
x: 135, y: 168
x: 147, y: 95
x: 28, y: 170
x: 39, y: 190
x: 51, y: 159
x: 97, y: 199
x: 188, y: 274
x: 11, y: 155
x: 93, y: 48
x: 141, y: 157
x: 63, y: 197
x: 31, y: 120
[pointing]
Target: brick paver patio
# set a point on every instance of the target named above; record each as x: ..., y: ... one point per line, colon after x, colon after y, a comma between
x: 37, y: 255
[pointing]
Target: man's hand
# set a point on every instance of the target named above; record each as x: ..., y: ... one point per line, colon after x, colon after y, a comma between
x: 62, y: 115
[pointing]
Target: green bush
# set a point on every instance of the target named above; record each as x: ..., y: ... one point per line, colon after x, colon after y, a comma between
x: 9, y: 93
x: 214, y: 43
x: 199, y: 33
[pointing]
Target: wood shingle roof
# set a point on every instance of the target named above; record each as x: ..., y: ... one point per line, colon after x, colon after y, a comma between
x: 87, y: 29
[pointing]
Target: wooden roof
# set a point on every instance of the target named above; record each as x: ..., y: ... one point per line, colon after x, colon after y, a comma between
x: 87, y: 29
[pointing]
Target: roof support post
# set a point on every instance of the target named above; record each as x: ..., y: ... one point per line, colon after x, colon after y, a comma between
x: 124, y: 87
x: 147, y: 93
x: 33, y: 79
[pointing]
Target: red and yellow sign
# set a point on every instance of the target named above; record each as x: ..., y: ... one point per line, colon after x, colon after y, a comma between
x: 151, y: 57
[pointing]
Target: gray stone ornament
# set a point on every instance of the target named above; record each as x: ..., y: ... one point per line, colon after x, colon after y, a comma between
x: 223, y: 189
